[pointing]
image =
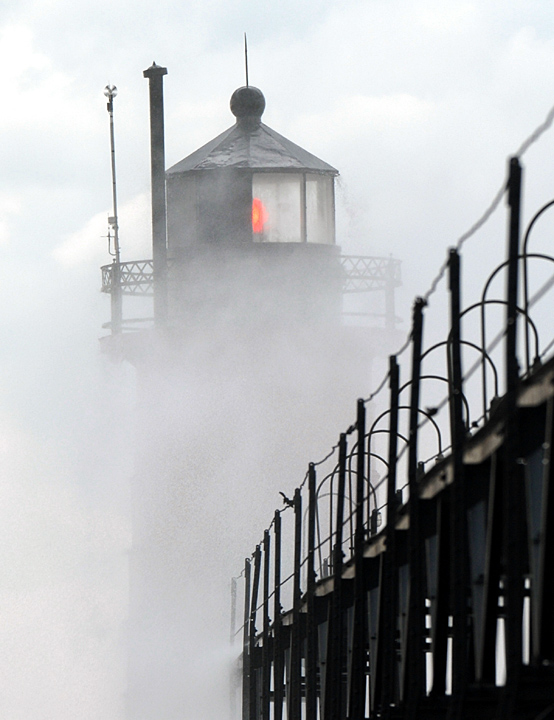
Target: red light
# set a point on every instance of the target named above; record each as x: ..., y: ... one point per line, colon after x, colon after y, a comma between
x: 259, y: 215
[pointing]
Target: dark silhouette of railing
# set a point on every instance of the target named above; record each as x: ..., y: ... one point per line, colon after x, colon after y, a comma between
x: 422, y: 577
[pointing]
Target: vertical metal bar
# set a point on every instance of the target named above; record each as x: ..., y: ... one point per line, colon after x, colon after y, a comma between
x: 266, y: 663
x: 368, y: 470
x: 295, y: 701
x: 246, y: 644
x: 278, y: 663
x: 331, y: 515
x: 360, y: 474
x: 335, y: 654
x: 311, y: 626
x: 514, y: 499
x: 253, y: 690
x: 484, y: 391
x: 155, y: 75
x: 385, y: 682
x: 339, y: 522
x: 394, y: 382
x: 514, y: 200
x: 460, y: 572
x: 415, y: 666
x: 356, y: 701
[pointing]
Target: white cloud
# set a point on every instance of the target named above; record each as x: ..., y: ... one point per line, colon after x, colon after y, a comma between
x: 34, y: 89
x: 10, y: 206
x: 359, y: 114
x: 18, y: 55
x: 89, y: 245
x: 446, y: 17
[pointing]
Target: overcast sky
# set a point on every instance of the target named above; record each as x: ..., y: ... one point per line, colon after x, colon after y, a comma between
x: 418, y: 103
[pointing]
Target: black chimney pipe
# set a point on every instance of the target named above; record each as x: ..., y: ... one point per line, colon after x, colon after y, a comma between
x: 155, y: 75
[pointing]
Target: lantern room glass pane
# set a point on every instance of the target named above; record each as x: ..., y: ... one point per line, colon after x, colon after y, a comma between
x: 320, y: 216
x: 277, y: 208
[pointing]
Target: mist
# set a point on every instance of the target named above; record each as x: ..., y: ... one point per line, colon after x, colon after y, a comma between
x: 418, y: 105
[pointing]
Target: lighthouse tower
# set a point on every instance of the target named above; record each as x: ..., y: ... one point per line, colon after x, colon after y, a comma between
x: 243, y: 376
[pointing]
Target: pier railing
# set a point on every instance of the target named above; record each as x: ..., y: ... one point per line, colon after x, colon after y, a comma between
x: 411, y: 572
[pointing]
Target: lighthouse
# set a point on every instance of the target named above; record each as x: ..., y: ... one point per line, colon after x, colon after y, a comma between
x: 252, y: 214
x: 244, y: 366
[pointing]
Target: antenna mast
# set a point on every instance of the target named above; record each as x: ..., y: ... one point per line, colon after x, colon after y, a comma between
x: 246, y: 58
x: 110, y: 91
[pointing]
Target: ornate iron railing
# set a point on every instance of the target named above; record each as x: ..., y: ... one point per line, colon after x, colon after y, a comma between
x: 136, y: 277
x: 365, y: 274
x: 361, y: 274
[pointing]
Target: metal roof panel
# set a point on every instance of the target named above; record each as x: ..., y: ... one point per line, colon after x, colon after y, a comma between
x: 258, y: 148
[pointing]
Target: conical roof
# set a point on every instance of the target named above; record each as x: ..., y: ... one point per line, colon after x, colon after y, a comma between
x: 251, y: 144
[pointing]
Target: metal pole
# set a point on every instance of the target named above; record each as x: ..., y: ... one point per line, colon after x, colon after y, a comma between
x: 356, y: 701
x: 155, y: 75
x: 311, y: 626
x: 333, y: 686
x: 514, y: 500
x: 110, y: 92
x: 460, y: 574
x: 277, y: 624
x: 415, y: 666
x: 514, y: 201
x: 266, y: 665
x: 385, y: 688
x: 253, y: 649
x: 295, y: 700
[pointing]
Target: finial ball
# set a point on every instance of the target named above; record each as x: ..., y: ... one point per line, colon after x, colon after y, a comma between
x: 247, y: 101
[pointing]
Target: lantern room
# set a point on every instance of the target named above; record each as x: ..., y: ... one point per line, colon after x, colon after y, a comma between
x: 251, y: 228
x: 250, y: 185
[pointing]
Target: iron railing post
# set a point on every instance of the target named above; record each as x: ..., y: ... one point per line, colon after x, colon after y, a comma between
x: 333, y: 687
x: 514, y: 498
x: 278, y: 645
x: 385, y: 680
x: 514, y: 201
x: 311, y: 627
x: 253, y: 654
x: 295, y: 700
x: 459, y: 568
x: 415, y: 665
x: 357, y: 698
x: 266, y: 665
